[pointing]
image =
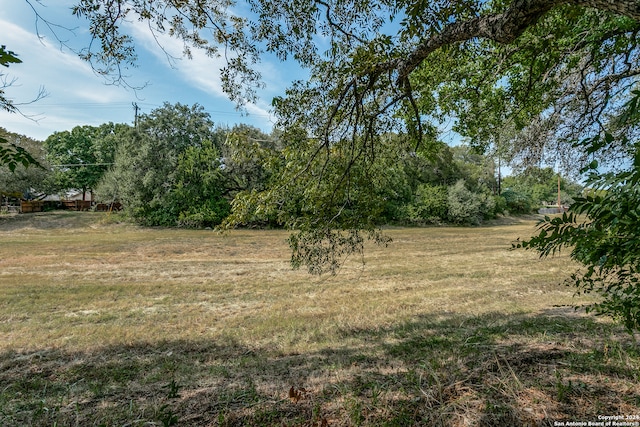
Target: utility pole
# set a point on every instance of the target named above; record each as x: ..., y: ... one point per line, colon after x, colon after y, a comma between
x: 135, y: 114
x: 559, y: 200
x: 499, y: 176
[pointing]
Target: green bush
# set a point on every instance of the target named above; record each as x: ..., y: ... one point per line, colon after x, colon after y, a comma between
x: 154, y: 216
x: 516, y: 202
x: 209, y: 214
x: 602, y: 231
x: 500, y: 205
x: 468, y: 208
x: 429, y: 205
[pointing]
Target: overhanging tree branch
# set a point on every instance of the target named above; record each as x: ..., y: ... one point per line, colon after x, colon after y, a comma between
x: 502, y: 28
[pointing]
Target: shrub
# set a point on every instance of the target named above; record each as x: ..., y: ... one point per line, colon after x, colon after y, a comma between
x: 500, y: 205
x: 429, y: 205
x: 209, y: 214
x: 516, y: 202
x: 602, y: 233
x: 466, y: 207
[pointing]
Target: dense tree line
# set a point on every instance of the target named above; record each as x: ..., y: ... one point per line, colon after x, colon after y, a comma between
x: 176, y: 168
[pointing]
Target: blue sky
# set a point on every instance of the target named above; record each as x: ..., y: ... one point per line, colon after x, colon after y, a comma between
x: 77, y: 96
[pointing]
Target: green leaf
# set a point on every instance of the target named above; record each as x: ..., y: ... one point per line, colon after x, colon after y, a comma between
x: 8, y: 57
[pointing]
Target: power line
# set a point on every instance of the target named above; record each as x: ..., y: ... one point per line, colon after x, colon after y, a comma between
x: 119, y: 105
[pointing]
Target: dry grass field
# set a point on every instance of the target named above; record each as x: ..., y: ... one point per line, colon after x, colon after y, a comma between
x: 107, y: 324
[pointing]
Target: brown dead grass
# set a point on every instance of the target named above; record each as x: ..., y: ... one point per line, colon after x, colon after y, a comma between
x: 447, y: 326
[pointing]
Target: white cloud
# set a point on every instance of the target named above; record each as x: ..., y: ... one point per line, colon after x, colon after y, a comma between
x: 65, y: 73
x: 73, y: 88
x: 200, y: 71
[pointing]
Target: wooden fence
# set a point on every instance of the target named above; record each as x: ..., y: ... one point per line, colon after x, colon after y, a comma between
x: 72, y: 205
x: 106, y: 207
x: 77, y: 205
x: 31, y: 206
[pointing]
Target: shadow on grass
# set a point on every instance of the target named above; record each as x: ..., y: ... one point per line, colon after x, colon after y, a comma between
x: 443, y: 369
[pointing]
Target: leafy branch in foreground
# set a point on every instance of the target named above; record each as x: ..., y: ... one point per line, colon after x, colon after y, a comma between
x: 602, y: 230
x: 11, y: 154
x: 332, y: 201
x: 7, y: 57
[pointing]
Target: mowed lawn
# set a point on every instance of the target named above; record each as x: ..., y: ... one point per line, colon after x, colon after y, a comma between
x: 107, y: 324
